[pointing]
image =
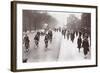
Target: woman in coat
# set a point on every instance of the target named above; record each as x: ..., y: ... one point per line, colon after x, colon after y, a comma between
x: 85, y: 46
x: 79, y: 42
x: 37, y: 38
x: 26, y: 41
x: 46, y: 40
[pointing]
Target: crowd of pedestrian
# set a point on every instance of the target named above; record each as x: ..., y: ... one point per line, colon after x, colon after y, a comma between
x: 82, y: 40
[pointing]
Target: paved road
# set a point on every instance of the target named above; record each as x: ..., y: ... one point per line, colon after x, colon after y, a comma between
x: 59, y: 50
x: 41, y: 53
x: 70, y: 52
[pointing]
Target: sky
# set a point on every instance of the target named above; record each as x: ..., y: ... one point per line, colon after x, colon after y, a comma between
x: 61, y: 17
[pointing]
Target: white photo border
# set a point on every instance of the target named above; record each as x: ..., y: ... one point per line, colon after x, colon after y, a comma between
x: 38, y: 65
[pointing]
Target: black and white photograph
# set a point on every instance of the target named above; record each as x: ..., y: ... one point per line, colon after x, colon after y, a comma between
x: 53, y: 36
x: 56, y: 36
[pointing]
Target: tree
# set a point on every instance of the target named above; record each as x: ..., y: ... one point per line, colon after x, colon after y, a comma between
x: 35, y: 19
x: 86, y: 23
x: 73, y: 23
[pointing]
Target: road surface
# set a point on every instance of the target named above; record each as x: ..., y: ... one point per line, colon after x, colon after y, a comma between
x: 59, y: 49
